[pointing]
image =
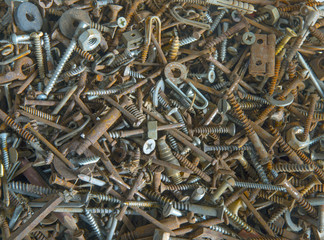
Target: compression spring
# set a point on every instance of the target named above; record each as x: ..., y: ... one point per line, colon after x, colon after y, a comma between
x: 260, y: 186
x: 317, y: 33
x: 174, y: 49
x: 293, y: 168
x: 252, y: 98
x: 104, y: 198
x: 84, y: 54
x: 25, y: 187
x: 24, y: 133
x: 277, y: 214
x: 241, y: 116
x: 238, y: 220
x: 99, y: 27
x: 101, y: 92
x: 157, y: 197
x: 250, y: 105
x: 76, y: 71
x: 38, y: 113
x: 93, y: 223
x: 136, y: 113
x: 181, y: 187
x: 185, y: 162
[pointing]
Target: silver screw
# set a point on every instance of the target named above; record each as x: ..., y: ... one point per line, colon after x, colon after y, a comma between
x: 93, y: 224
x: 4, y: 150
x: 224, y: 43
x: 38, y: 51
x: 217, y: 21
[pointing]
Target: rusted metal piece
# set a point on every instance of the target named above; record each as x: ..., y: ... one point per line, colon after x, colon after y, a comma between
x: 17, y: 74
x: 262, y: 59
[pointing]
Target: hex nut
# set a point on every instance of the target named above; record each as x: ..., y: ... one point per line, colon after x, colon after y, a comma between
x: 274, y: 14
x: 89, y: 39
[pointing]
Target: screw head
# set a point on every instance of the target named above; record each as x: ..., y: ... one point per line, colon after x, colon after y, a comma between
x: 281, y: 179
x: 121, y: 22
x: 211, y: 76
x: 291, y: 32
x: 149, y: 146
x: 231, y: 129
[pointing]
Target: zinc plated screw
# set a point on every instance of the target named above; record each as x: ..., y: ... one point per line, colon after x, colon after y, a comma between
x: 211, y: 75
x: 93, y: 224
x: 281, y: 180
x: 289, y: 34
x: 4, y: 150
x: 39, y: 54
x: 217, y: 20
x: 224, y: 43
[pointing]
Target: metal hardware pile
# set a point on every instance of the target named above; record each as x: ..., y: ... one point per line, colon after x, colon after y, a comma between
x: 145, y: 119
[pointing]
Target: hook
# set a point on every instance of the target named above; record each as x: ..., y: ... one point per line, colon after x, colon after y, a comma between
x: 148, y: 34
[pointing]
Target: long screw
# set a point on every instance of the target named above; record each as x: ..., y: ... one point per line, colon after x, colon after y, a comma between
x: 4, y: 150
x: 289, y: 34
x: 39, y: 54
x: 216, y: 21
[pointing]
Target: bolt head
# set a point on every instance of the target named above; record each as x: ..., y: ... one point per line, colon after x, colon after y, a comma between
x: 232, y: 50
x: 4, y: 135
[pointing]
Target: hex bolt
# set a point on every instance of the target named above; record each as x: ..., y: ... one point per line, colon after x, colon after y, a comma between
x: 289, y: 34
x: 281, y: 180
x: 4, y: 150
x: 229, y: 182
x: 39, y: 53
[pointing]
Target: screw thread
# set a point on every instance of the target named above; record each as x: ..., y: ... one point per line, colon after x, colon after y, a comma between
x: 251, y: 105
x: 47, y: 46
x: 187, y: 41
x: 261, y: 18
x: 135, y: 74
x: 174, y: 49
x: 274, y: 217
x: 101, y: 92
x: 76, y: 71
x: 17, y: 128
x: 293, y: 168
x: 4, y: 150
x: 84, y: 54
x: 216, y: 22
x: 85, y: 161
x: 93, y: 224
x: 99, y: 27
x: 29, y: 188
x: 209, y: 129
x: 157, y: 197
x: 136, y: 113
x: 238, y: 220
x: 105, y: 198
x: 259, y: 186
x: 38, y: 113
x: 39, y: 54
x: 67, y: 54
x: 274, y: 198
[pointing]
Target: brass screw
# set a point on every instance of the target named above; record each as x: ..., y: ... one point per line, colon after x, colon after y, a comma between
x: 289, y: 34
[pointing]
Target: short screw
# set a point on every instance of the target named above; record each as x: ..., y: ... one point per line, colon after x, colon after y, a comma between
x: 39, y: 54
x: 289, y: 34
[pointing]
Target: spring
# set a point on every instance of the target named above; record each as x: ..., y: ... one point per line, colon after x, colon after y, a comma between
x: 238, y: 220
x: 181, y: 187
x: 260, y: 186
x: 238, y: 110
x: 187, y: 41
x: 39, y: 235
x: 274, y: 217
x: 221, y: 85
x: 223, y: 148
x: 252, y: 98
x: 262, y: 18
x: 104, y: 198
x: 136, y: 113
x: 38, y: 113
x: 99, y: 27
x: 278, y: 230
x: 93, y: 223
x: 293, y: 168
x: 274, y: 198
x: 317, y: 33
x: 209, y: 129
x: 39, y: 54
x: 257, y: 166
x: 142, y: 204
x: 250, y: 105
x: 157, y: 197
x: 174, y: 49
x: 49, y: 158
x: 185, y: 162
x: 85, y: 54
x: 22, y: 132
x: 165, y: 179
x: 320, y: 23
x: 101, y: 92
x: 76, y: 71
x: 25, y: 187
x: 289, y: 151
x: 54, y: 12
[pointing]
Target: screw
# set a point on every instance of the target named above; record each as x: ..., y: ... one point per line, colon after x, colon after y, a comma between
x: 228, y: 183
x: 4, y: 150
x: 38, y: 51
x: 289, y: 34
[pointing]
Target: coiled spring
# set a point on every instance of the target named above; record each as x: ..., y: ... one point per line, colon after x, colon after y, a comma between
x: 22, y: 132
x: 38, y: 113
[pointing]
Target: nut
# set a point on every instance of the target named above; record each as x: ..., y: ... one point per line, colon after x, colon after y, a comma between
x: 89, y: 39
x: 292, y: 139
x: 274, y: 14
